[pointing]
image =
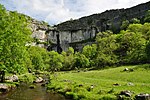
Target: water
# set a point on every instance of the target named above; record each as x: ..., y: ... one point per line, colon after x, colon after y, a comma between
x: 23, y: 92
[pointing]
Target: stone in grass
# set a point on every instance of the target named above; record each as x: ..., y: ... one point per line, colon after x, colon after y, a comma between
x: 39, y: 80
x: 3, y: 88
x: 142, y: 96
x: 13, y: 78
x: 116, y: 84
x: 130, y: 84
x: 126, y: 69
x: 90, y: 88
x: 126, y: 93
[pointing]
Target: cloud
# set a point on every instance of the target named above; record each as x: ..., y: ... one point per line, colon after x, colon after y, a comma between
x: 56, y: 11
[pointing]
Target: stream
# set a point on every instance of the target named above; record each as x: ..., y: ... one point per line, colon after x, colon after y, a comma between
x: 23, y: 92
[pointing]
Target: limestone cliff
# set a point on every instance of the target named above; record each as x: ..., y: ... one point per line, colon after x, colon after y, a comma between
x: 85, y: 28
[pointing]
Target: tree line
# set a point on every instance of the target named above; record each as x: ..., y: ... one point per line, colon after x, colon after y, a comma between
x: 130, y: 46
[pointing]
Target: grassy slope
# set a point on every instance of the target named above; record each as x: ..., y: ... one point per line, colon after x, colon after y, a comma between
x: 103, y: 81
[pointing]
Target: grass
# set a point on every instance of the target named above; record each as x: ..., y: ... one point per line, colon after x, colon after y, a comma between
x: 98, y: 84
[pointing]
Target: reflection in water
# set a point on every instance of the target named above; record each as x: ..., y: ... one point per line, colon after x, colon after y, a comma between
x: 23, y: 92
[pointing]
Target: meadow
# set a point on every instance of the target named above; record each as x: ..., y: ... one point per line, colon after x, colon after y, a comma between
x: 102, y: 84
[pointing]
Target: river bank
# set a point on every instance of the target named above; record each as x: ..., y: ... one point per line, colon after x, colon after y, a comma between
x: 28, y: 87
x: 24, y: 92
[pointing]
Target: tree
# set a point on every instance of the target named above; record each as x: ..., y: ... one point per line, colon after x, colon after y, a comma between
x: 90, y: 53
x: 135, y: 28
x: 14, y: 34
x: 39, y: 58
x: 147, y: 16
x: 132, y: 47
x: 147, y: 50
x: 55, y: 61
x: 69, y: 59
x: 135, y: 21
x: 81, y: 61
x: 105, y: 54
x: 146, y: 31
x: 124, y: 25
x: 70, y: 51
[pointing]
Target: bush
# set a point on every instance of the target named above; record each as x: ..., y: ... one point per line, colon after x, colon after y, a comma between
x: 28, y: 78
x: 71, y: 95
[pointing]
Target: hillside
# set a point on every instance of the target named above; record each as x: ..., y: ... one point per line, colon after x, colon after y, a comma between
x: 81, y: 62
x: 85, y: 28
x: 106, y: 20
x: 104, y: 84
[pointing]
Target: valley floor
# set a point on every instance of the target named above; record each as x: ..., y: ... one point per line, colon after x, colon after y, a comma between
x: 102, y: 84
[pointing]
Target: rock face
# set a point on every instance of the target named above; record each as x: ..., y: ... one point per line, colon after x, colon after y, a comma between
x: 39, y: 32
x: 85, y: 28
x: 106, y: 19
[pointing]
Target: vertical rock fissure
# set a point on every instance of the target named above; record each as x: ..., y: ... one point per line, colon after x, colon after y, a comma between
x: 59, y: 49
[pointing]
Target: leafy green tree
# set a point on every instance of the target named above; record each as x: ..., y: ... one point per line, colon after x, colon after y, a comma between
x: 55, y: 61
x: 146, y: 31
x: 70, y: 51
x: 81, y: 61
x: 124, y: 25
x: 135, y: 21
x: 132, y: 47
x: 69, y: 59
x: 106, y: 47
x: 39, y: 57
x: 147, y: 16
x: 147, y: 50
x: 90, y: 52
x: 104, y: 34
x: 135, y: 28
x: 14, y: 34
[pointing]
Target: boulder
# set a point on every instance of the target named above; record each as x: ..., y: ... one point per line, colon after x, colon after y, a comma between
x: 13, y: 78
x: 126, y: 93
x: 142, y: 96
x: 92, y: 86
x: 39, y: 80
x: 130, y: 84
x: 126, y: 69
x: 116, y: 84
x: 4, y: 88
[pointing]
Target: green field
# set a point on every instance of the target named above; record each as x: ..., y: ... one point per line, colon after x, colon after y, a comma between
x: 79, y: 84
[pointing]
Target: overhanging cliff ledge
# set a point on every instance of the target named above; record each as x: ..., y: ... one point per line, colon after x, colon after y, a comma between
x: 85, y: 28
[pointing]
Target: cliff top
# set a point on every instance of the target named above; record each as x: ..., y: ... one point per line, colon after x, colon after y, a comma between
x: 88, y: 21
